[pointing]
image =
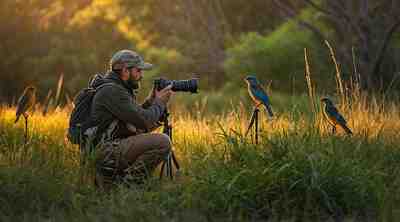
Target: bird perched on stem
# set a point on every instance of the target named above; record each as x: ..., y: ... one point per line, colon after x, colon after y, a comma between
x: 333, y: 116
x: 25, y: 102
x: 258, y: 94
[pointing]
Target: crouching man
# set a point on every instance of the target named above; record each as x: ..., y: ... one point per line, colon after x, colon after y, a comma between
x: 127, y: 152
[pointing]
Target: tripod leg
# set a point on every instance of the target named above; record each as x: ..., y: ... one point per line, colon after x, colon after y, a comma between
x: 170, y: 167
x: 251, y: 123
x: 171, y: 159
x: 162, y: 169
x: 256, y: 124
x: 167, y: 166
x: 170, y: 132
x: 175, y: 161
x: 26, y: 128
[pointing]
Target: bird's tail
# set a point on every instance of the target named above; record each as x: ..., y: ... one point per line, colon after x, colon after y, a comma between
x: 269, y: 110
x: 347, y: 129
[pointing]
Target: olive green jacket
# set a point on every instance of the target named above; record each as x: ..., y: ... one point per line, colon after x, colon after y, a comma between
x: 116, y: 101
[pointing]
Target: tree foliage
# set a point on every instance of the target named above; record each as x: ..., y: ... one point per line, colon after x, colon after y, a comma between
x: 279, y: 57
x: 363, y: 27
x: 43, y: 38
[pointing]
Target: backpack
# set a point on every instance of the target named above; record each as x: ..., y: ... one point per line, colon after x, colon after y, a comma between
x: 80, y: 120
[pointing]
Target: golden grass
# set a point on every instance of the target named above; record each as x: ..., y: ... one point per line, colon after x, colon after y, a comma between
x: 192, y: 134
x: 196, y: 137
x: 54, y: 124
x: 365, y: 117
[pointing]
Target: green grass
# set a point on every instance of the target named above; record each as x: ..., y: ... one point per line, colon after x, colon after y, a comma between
x: 298, y: 171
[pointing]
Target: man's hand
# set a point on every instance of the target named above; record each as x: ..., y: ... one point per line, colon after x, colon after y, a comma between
x: 164, y: 94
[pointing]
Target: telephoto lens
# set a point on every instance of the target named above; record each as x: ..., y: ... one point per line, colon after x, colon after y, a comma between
x: 189, y: 85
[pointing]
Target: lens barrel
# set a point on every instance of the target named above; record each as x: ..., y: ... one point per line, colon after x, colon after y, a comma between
x: 189, y: 85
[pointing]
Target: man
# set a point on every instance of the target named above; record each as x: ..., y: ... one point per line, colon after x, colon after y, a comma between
x: 126, y: 151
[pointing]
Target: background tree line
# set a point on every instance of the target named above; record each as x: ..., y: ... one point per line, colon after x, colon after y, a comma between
x: 219, y: 40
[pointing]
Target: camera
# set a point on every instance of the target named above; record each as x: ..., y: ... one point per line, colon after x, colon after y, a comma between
x: 189, y: 85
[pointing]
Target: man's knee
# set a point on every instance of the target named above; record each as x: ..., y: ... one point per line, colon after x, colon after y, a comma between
x: 164, y: 141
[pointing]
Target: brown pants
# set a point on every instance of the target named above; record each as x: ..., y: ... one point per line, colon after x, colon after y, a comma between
x: 131, y: 160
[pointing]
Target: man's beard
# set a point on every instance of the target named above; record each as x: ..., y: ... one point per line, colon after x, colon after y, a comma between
x: 133, y: 84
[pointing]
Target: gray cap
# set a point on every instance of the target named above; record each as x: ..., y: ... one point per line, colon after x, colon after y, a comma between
x: 128, y: 58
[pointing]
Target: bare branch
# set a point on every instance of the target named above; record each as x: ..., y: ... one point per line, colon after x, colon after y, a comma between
x: 320, y: 8
x: 347, y: 16
x: 395, y: 6
x: 290, y: 13
x: 356, y: 19
x: 364, y: 8
x: 221, y: 13
x: 343, y: 3
x: 384, y: 44
x: 334, y: 17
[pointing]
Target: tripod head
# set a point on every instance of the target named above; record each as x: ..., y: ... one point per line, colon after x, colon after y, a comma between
x: 167, y: 128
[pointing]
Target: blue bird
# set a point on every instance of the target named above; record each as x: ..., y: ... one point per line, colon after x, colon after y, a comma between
x: 258, y: 94
x: 333, y: 116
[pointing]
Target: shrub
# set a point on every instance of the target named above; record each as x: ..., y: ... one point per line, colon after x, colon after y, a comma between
x: 279, y: 56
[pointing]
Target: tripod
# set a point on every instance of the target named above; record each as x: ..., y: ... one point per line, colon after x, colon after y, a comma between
x: 254, y: 123
x: 26, y: 128
x: 171, y: 158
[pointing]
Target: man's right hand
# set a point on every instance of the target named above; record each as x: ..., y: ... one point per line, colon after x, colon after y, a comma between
x: 164, y: 94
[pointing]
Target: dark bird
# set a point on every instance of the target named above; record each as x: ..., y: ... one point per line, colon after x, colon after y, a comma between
x: 333, y: 116
x: 25, y: 102
x: 258, y: 94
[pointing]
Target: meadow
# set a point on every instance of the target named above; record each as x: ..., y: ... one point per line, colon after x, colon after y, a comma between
x: 299, y: 170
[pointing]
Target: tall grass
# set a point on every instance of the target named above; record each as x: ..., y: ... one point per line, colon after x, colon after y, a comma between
x: 311, y: 88
x: 299, y: 171
x: 339, y: 81
x: 296, y: 172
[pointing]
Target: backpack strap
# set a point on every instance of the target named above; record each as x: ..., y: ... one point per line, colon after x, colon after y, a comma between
x: 103, y: 85
x: 94, y: 132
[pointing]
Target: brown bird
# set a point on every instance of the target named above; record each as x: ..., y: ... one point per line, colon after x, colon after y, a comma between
x: 25, y: 102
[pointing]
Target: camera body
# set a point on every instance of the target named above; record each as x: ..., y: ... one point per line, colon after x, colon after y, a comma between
x: 189, y: 85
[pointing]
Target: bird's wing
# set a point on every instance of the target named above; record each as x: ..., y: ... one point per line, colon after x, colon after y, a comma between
x: 334, y: 113
x: 22, y: 102
x: 259, y: 87
x: 260, y: 93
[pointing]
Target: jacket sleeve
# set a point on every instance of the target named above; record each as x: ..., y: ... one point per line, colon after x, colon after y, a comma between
x: 147, y: 102
x: 123, y: 106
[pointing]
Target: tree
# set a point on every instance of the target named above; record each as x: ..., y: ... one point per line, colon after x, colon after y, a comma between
x: 364, y: 25
x: 30, y: 32
x: 202, y: 30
